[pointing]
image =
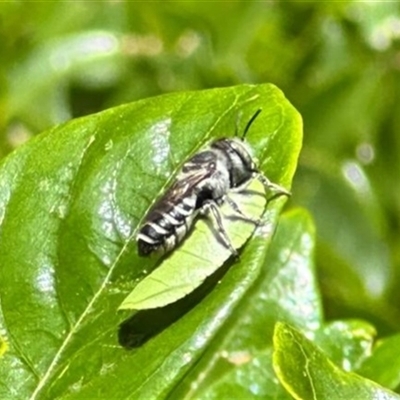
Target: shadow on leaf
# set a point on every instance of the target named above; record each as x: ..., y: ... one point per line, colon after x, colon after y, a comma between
x: 136, y: 330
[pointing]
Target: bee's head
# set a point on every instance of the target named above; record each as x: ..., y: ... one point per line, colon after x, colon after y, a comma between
x: 237, y: 157
x: 249, y: 164
x: 243, y: 149
x: 244, y: 152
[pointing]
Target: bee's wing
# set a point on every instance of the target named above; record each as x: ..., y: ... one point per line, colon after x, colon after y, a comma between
x: 199, y: 168
x: 186, y: 182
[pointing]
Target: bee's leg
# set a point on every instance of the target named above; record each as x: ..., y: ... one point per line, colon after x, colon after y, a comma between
x: 277, y: 189
x: 237, y: 210
x: 210, y: 205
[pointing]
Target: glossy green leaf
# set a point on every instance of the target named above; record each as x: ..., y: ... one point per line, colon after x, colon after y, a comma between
x: 238, y: 363
x: 71, y: 201
x: 241, y: 375
x: 383, y: 366
x: 200, y: 255
x: 307, y: 373
x: 346, y: 343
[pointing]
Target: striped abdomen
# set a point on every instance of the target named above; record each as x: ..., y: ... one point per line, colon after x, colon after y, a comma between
x: 166, y: 225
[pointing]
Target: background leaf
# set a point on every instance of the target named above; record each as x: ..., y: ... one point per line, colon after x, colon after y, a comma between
x: 71, y: 201
x: 307, y: 373
x: 382, y: 367
x: 347, y: 343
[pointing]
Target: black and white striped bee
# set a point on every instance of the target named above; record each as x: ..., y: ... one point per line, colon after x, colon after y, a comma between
x: 200, y: 188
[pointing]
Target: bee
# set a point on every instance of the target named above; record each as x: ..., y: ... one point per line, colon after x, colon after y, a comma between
x: 199, y: 190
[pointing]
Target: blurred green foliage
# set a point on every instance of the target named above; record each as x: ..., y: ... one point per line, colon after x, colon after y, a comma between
x: 338, y: 62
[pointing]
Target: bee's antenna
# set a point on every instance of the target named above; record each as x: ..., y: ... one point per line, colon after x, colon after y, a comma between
x: 250, y: 123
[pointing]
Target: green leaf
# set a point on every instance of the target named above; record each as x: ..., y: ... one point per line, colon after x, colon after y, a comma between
x: 238, y: 362
x: 3, y: 346
x: 307, y: 373
x: 202, y: 251
x: 346, y: 343
x: 71, y: 201
x: 329, y: 197
x: 383, y: 366
x: 240, y: 375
